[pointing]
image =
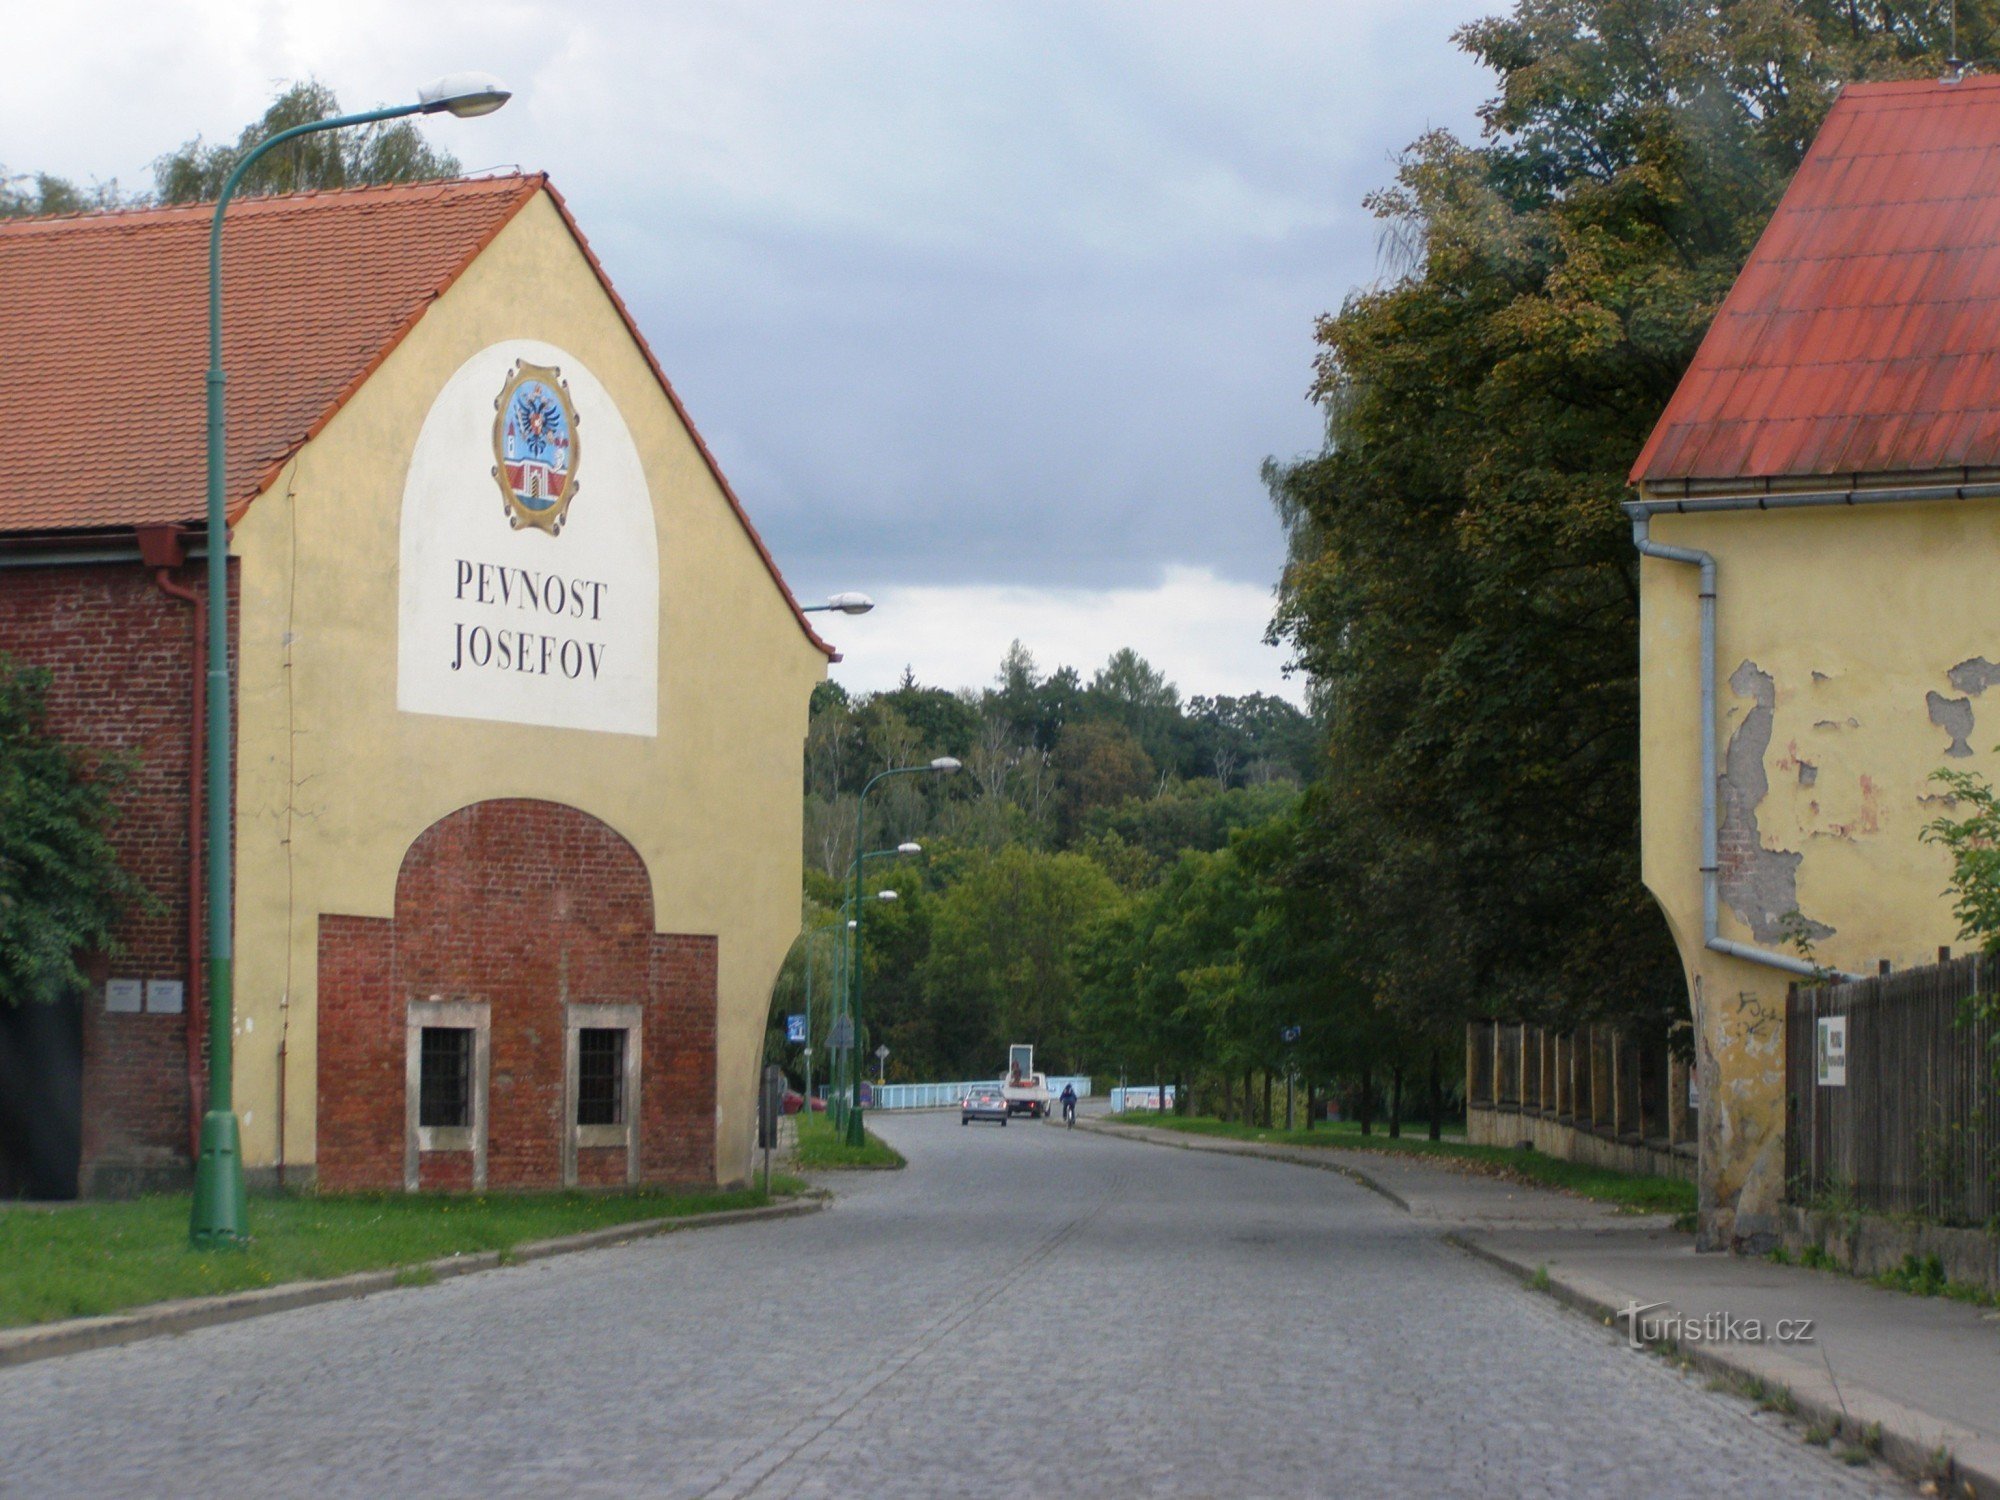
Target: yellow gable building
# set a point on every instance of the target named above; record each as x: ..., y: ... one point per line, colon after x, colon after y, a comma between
x: 522, y: 697
x: 1819, y: 630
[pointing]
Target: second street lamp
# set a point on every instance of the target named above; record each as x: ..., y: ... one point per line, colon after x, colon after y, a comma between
x: 901, y: 850
x: 220, y: 1215
x: 944, y: 764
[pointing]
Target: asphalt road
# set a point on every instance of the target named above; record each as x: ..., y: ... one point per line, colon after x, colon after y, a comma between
x: 1028, y: 1311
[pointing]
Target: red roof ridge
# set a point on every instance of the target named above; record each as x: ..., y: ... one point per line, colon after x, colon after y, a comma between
x: 140, y: 215
x: 1923, y: 85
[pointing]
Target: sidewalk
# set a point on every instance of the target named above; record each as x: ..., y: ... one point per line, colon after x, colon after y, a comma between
x: 1926, y: 1369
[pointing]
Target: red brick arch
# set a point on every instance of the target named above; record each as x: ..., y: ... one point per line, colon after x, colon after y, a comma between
x: 528, y: 906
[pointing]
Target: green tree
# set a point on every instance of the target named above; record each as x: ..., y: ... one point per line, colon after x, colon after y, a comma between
x: 1003, y: 958
x: 1099, y: 763
x: 1461, y: 585
x: 1973, y: 842
x: 62, y: 889
x: 388, y: 151
x: 44, y: 193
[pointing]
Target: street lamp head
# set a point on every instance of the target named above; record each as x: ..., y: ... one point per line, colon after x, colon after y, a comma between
x: 909, y: 848
x: 945, y: 763
x: 463, y: 94
x: 850, y: 604
x: 885, y: 895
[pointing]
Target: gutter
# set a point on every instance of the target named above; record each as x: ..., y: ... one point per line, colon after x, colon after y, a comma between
x: 1642, y: 512
x: 163, y: 548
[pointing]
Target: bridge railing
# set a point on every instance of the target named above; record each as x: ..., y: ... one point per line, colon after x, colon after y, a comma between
x: 947, y: 1095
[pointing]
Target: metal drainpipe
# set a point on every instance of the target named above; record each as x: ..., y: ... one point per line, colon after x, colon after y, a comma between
x: 192, y: 1011
x: 1711, y: 917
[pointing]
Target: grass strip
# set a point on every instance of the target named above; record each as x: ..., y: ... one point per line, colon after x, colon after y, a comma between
x: 1638, y: 1193
x: 820, y: 1148
x: 89, y: 1259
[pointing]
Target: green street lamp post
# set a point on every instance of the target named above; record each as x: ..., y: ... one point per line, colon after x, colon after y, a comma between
x: 220, y: 1216
x: 945, y: 764
x: 901, y: 851
x: 840, y: 1070
x: 812, y: 937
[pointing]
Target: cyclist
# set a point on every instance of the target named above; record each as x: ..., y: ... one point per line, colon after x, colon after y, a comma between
x: 1069, y: 1104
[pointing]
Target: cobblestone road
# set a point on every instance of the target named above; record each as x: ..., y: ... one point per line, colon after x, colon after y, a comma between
x: 1030, y: 1308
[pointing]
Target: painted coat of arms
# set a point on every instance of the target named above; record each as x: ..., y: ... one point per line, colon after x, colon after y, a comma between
x: 535, y: 447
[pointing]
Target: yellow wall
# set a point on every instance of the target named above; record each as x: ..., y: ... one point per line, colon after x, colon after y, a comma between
x: 334, y: 783
x: 1856, y: 615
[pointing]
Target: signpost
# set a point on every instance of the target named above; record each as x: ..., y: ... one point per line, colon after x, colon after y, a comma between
x: 881, y: 1060
x: 770, y: 1109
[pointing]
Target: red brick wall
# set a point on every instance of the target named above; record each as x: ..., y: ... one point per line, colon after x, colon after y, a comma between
x: 121, y: 654
x: 361, y: 1049
x: 525, y: 905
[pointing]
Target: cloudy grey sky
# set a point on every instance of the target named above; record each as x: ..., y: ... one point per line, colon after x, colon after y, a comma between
x: 989, y: 309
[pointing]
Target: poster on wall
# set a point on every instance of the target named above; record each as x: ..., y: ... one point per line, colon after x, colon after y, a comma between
x: 529, y: 590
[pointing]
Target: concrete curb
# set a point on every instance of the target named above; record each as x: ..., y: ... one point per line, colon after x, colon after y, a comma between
x: 1911, y: 1439
x: 20, y: 1346
x: 1223, y: 1146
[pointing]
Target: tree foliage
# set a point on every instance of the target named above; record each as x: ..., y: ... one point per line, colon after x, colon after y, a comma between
x: 359, y: 156
x: 387, y: 151
x: 62, y: 889
x: 1972, y: 840
x: 1462, y: 587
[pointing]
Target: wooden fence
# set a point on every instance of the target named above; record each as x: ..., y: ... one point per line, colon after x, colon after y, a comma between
x: 1598, y: 1079
x: 1908, y: 1119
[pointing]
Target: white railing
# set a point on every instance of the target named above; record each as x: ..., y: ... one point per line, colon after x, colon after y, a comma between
x: 947, y: 1095
x: 1158, y: 1098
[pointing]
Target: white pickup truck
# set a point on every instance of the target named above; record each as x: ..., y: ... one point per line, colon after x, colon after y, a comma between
x: 1025, y: 1090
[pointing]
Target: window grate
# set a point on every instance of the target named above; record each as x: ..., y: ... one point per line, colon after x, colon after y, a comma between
x: 444, y: 1095
x: 600, y: 1076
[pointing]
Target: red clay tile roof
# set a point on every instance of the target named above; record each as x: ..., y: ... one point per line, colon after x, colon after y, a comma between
x: 104, y: 320
x: 1863, y: 336
x: 104, y: 328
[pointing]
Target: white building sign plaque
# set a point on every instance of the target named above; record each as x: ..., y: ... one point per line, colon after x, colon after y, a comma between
x: 529, y: 590
x: 1831, y: 1051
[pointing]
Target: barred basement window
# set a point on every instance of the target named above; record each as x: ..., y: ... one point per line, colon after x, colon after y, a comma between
x: 600, y: 1076
x: 444, y: 1095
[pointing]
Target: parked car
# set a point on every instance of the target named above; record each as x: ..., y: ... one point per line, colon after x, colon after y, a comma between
x: 983, y: 1104
x: 794, y: 1101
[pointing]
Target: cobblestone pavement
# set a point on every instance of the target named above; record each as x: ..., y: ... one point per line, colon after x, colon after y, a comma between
x: 1030, y: 1309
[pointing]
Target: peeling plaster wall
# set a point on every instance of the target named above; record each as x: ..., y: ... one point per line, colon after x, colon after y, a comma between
x: 1855, y: 647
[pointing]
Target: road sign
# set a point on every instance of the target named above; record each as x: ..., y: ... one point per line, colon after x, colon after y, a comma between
x: 881, y: 1052
x: 795, y: 1028
x: 1831, y: 1052
x: 842, y: 1034
x: 1292, y: 1033
x: 770, y: 1105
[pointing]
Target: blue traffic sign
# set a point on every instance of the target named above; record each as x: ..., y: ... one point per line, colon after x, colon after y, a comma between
x: 795, y: 1028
